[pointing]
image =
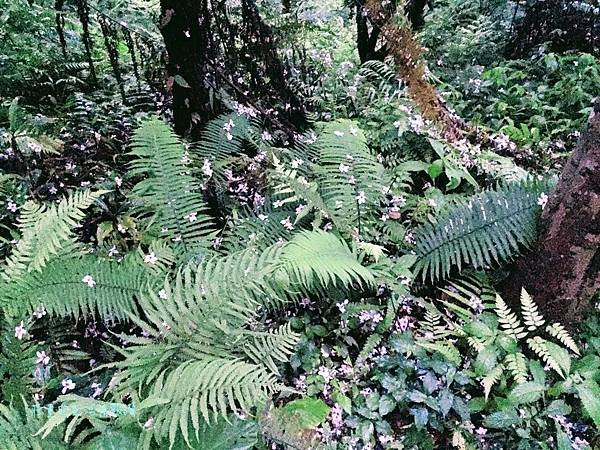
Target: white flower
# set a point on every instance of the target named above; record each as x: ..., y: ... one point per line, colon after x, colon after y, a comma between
x: 338, y: 133
x: 206, y: 169
x: 97, y: 387
x: 88, y: 280
x: 113, y: 251
x: 300, y: 208
x: 11, y: 206
x: 287, y: 223
x: 42, y: 358
x: 296, y: 163
x: 150, y: 258
x: 162, y: 294
x: 263, y: 217
x: 277, y: 203
x: 542, y: 200
x: 352, y: 180
x: 344, y: 168
x: 266, y: 136
x: 353, y: 131
x: 39, y: 312
x: 416, y: 123
x: 118, y: 181
x: 361, y: 198
x: 20, y: 331
x: 228, y: 126
x: 431, y: 202
x: 192, y: 217
x: 67, y: 385
x: 149, y: 423
x: 122, y: 229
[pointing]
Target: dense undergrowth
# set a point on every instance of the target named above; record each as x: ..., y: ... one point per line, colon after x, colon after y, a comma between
x: 243, y: 291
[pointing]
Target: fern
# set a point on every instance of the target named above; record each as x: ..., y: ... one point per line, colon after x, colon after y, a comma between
x: 317, y: 258
x: 60, y: 288
x: 487, y: 228
x: 516, y: 363
x: 18, y: 428
x: 542, y: 348
x: 533, y: 319
x: 509, y: 322
x: 557, y: 331
x: 349, y: 176
x: 46, y: 230
x: 169, y: 192
x: 491, y: 379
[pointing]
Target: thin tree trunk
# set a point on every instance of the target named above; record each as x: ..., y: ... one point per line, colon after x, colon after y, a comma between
x: 562, y: 272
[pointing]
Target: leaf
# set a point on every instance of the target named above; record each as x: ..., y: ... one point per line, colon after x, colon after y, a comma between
x: 502, y: 419
x: 435, y: 169
x: 589, y: 393
x: 181, y: 82
x: 386, y: 405
x: 528, y: 392
x: 343, y: 401
x: 309, y: 412
x: 421, y: 416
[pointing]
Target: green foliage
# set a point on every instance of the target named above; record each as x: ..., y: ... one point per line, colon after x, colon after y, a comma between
x: 168, y: 192
x: 45, y: 231
x: 482, y: 230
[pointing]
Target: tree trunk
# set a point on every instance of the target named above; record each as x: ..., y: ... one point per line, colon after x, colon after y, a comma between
x: 562, y: 272
x: 185, y: 26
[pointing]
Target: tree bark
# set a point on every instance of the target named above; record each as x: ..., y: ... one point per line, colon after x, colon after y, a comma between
x: 562, y: 272
x: 185, y: 27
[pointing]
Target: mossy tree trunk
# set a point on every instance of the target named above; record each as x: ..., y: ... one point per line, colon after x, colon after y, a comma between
x: 562, y: 272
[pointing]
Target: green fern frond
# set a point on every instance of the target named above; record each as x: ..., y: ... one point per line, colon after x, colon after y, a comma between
x: 509, y: 322
x: 18, y: 428
x: 541, y: 348
x: 168, y: 191
x: 315, y: 259
x: 516, y: 363
x: 270, y: 347
x: 349, y: 176
x: 61, y: 288
x: 533, y: 319
x: 557, y: 331
x: 491, y: 379
x: 445, y: 348
x: 486, y: 228
x: 45, y: 231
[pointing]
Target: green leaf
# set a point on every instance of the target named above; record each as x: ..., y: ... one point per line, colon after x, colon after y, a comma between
x: 526, y: 393
x: 561, y: 356
x: 589, y: 393
x: 309, y: 412
x: 343, y: 401
x: 386, y: 405
x: 181, y: 82
x: 435, y: 169
x: 503, y: 419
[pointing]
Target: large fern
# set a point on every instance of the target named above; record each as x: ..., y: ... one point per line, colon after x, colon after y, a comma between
x: 486, y: 228
x: 168, y: 190
x: 45, y: 231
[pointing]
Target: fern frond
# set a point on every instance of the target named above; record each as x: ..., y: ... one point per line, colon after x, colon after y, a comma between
x: 557, y: 331
x: 488, y: 227
x: 60, y: 288
x: 509, y: 322
x: 168, y: 191
x: 45, y: 231
x: 540, y: 347
x: 18, y: 428
x: 491, y: 379
x: 314, y: 259
x: 516, y: 363
x: 533, y: 319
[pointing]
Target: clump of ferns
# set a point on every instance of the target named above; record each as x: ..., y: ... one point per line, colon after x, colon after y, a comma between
x: 487, y: 326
